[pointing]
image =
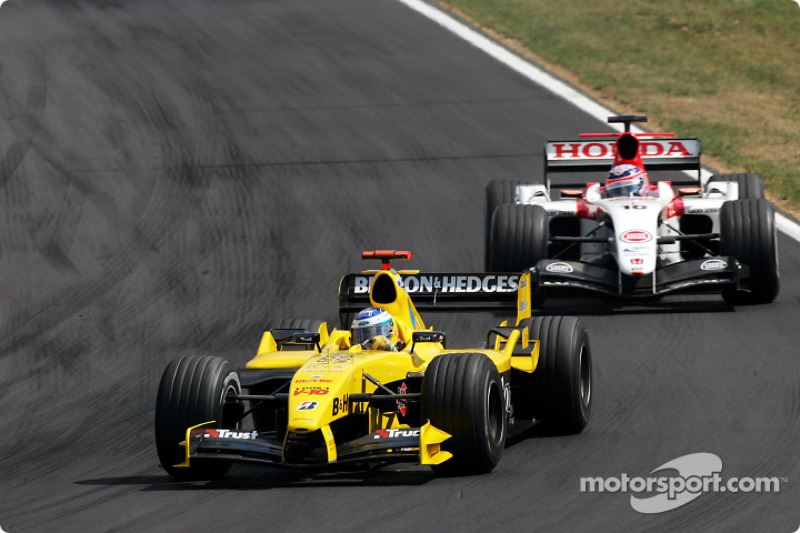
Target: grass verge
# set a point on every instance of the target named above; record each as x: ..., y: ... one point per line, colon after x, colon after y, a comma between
x: 727, y: 71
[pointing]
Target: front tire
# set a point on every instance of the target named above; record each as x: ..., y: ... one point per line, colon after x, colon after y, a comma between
x: 498, y: 192
x: 193, y: 390
x: 519, y: 237
x: 463, y: 395
x: 748, y: 233
x: 559, y: 392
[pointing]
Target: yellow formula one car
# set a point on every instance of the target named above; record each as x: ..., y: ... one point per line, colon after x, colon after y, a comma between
x: 314, y: 398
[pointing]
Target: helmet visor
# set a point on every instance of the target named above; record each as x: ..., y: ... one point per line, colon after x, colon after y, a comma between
x: 363, y: 334
x: 624, y: 187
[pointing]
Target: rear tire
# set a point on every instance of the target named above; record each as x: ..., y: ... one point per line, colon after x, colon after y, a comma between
x: 750, y: 185
x: 748, y: 233
x: 308, y: 324
x: 518, y: 239
x: 559, y: 392
x: 463, y: 395
x: 193, y: 390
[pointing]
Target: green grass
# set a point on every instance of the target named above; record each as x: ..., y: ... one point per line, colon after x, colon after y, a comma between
x: 727, y: 72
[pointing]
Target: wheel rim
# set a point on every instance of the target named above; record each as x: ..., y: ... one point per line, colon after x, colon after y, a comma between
x: 494, y: 402
x: 230, y: 408
x: 586, y: 378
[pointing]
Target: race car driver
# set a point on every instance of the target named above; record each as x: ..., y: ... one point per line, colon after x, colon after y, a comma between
x: 375, y: 329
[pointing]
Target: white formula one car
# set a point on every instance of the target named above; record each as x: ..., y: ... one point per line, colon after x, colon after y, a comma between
x: 630, y: 236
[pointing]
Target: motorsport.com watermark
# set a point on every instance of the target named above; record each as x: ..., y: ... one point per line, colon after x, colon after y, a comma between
x: 697, y: 473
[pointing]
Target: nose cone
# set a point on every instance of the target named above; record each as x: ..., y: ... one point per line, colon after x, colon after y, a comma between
x: 636, y: 265
x: 315, y: 388
x: 636, y: 252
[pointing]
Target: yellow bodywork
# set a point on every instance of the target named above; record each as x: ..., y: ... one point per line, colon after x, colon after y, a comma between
x: 430, y: 445
x: 321, y: 389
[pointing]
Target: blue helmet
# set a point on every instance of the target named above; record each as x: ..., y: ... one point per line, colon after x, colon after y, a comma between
x: 370, y: 323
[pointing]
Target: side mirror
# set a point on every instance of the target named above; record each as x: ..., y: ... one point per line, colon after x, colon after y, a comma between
x: 306, y: 337
x: 428, y: 336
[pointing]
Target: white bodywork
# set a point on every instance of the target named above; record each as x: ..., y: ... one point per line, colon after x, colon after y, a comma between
x: 636, y: 222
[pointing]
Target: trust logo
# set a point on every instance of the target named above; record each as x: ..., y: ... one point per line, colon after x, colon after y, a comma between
x: 393, y: 433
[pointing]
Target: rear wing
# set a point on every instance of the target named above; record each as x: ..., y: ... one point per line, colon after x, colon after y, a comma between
x: 444, y: 292
x: 597, y: 155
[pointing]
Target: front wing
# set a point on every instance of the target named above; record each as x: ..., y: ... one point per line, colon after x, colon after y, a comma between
x: 417, y: 445
x: 710, y: 274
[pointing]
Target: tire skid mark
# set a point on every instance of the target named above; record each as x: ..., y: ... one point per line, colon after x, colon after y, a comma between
x: 56, y: 234
x: 18, y: 194
x: 12, y: 158
x: 34, y: 104
x: 160, y: 117
x: 61, y: 305
x: 185, y: 182
x: 32, y: 323
x: 214, y: 195
x: 154, y: 110
x: 235, y: 193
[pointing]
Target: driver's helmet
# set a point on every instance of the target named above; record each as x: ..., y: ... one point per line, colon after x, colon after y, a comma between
x: 624, y: 180
x: 374, y: 329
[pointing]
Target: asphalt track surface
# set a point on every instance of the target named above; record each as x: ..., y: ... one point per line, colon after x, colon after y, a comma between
x: 175, y: 175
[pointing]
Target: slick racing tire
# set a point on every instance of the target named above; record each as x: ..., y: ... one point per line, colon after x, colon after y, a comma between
x: 750, y: 185
x: 463, y: 396
x: 559, y: 392
x: 748, y: 233
x: 518, y: 239
x: 498, y: 192
x: 193, y: 390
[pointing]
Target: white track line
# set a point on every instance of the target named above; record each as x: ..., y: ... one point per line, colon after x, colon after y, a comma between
x: 546, y: 80
x: 787, y: 226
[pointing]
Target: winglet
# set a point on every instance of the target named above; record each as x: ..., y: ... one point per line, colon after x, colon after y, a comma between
x: 430, y: 445
x: 185, y: 444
